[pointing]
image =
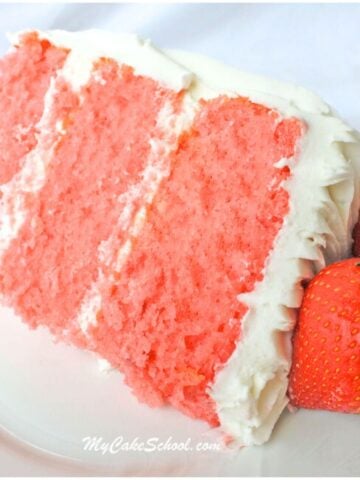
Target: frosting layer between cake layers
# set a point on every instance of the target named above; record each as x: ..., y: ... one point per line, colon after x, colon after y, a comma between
x: 240, y: 378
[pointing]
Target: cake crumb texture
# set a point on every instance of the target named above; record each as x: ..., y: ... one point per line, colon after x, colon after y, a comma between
x: 163, y: 225
x: 23, y: 84
x: 54, y: 260
x: 172, y: 317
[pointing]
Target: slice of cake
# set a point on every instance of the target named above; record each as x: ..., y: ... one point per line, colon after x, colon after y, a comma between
x: 162, y: 211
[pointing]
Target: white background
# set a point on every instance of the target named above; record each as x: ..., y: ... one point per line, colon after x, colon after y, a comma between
x: 317, y: 46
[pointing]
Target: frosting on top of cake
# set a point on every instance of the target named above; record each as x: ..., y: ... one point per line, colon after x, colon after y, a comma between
x: 90, y: 45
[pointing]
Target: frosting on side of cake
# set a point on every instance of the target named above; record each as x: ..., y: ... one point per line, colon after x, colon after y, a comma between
x: 250, y: 390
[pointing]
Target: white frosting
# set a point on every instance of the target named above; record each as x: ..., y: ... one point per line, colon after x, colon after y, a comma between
x: 90, y: 45
x: 89, y: 307
x: 216, y: 77
x: 250, y: 390
x: 104, y: 366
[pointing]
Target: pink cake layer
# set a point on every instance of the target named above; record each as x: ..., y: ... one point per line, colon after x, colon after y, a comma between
x: 170, y: 318
x: 25, y: 75
x: 54, y: 259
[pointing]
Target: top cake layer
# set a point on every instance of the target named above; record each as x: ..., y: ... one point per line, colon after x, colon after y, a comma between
x: 165, y: 216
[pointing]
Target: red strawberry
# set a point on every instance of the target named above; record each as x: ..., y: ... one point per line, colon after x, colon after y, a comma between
x: 356, y: 238
x: 326, y: 358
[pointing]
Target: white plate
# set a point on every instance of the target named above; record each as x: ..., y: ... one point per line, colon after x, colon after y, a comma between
x: 53, y: 395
